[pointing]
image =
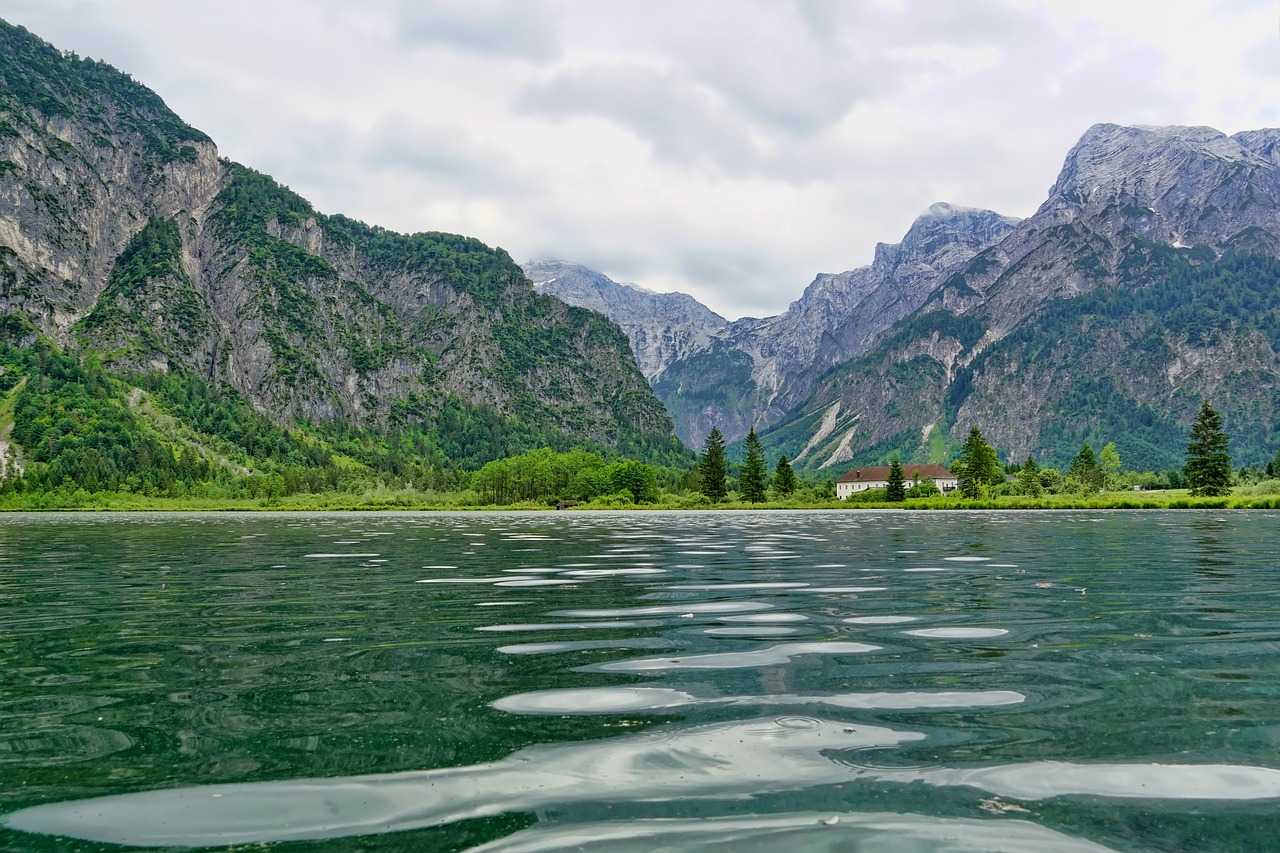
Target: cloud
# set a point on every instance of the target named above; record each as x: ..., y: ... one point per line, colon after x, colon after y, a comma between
x: 684, y: 123
x: 1264, y: 59
x: 522, y: 29
x: 776, y: 69
x: 445, y: 154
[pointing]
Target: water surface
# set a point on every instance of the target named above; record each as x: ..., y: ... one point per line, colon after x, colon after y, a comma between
x: 684, y: 681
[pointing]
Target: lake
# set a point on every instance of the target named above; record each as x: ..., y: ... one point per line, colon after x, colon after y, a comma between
x: 745, y: 681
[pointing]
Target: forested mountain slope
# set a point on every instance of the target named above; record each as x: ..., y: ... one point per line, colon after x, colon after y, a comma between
x: 129, y: 250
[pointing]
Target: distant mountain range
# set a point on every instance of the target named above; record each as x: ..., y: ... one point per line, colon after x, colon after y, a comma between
x: 1144, y: 283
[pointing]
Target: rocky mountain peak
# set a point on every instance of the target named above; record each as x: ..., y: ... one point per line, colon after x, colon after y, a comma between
x: 1144, y: 163
x: 945, y: 235
x: 661, y: 327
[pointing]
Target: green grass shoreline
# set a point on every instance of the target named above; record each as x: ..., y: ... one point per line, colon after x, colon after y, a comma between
x: 409, y: 500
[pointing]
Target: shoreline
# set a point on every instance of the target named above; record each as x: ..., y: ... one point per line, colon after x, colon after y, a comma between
x: 417, y: 502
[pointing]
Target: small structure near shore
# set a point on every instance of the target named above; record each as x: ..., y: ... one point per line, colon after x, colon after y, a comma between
x: 565, y: 504
x: 877, y: 477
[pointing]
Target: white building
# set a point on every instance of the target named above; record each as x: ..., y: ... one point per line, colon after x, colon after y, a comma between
x: 877, y: 477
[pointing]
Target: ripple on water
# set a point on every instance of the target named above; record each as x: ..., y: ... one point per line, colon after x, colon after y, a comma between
x: 575, y: 626
x: 769, y: 656
x: 597, y: 700
x: 846, y: 589
x: 957, y: 633
x: 586, y: 645
x: 607, y: 700
x: 881, y: 620
x: 754, y: 631
x: 662, y: 609
x: 758, y: 585
x: 814, y: 832
x: 60, y: 744
x: 765, y: 617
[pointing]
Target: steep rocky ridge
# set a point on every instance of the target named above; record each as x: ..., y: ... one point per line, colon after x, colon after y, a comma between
x: 662, y: 327
x: 1107, y: 315
x: 124, y: 237
x: 757, y: 371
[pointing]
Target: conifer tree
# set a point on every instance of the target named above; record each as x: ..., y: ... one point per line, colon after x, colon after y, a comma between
x: 711, y: 468
x: 977, y: 466
x: 896, y: 490
x: 784, y: 479
x: 752, y: 482
x: 1208, y: 465
x: 1084, y: 467
x: 1029, y: 479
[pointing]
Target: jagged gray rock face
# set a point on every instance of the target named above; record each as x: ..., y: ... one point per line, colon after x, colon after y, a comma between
x: 1121, y: 187
x: 757, y: 371
x: 662, y: 327
x: 1131, y: 206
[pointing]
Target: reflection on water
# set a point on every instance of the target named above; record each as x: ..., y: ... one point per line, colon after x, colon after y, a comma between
x: 987, y: 681
x: 812, y: 832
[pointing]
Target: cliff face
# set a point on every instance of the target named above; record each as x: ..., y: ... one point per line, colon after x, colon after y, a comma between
x: 756, y: 372
x: 123, y: 234
x: 662, y: 327
x: 1144, y: 283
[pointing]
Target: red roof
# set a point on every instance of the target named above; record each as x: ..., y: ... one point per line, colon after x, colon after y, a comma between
x: 880, y: 473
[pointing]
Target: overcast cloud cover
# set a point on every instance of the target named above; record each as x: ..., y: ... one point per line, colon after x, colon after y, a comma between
x: 728, y: 148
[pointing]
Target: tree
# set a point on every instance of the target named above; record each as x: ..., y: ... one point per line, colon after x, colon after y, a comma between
x: 1084, y: 467
x: 784, y: 479
x: 711, y: 468
x: 1208, y: 465
x: 1109, y: 467
x: 977, y: 466
x: 752, y: 482
x: 1029, y: 479
x: 636, y: 478
x: 896, y: 491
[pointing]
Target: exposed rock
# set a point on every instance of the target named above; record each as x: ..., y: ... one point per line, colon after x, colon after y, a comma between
x: 837, y: 318
x: 1136, y: 210
x: 662, y: 327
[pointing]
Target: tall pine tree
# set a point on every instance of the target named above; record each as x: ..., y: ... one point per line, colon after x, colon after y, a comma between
x: 1208, y: 465
x: 977, y: 466
x: 896, y: 490
x: 711, y: 467
x: 784, y: 479
x: 751, y: 485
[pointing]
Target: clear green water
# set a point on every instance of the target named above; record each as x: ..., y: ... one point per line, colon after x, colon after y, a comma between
x: 689, y: 681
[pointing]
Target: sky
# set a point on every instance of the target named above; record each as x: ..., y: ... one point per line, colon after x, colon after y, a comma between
x: 729, y: 149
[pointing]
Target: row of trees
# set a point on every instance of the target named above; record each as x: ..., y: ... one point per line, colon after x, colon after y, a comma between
x: 1207, y: 470
x: 753, y: 481
x: 980, y: 473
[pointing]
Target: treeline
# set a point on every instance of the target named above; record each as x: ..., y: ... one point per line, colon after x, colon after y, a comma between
x: 980, y: 475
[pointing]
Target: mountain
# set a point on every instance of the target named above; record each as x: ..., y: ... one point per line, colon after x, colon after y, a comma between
x: 662, y: 327
x: 130, y: 247
x: 756, y: 371
x: 1146, y: 282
